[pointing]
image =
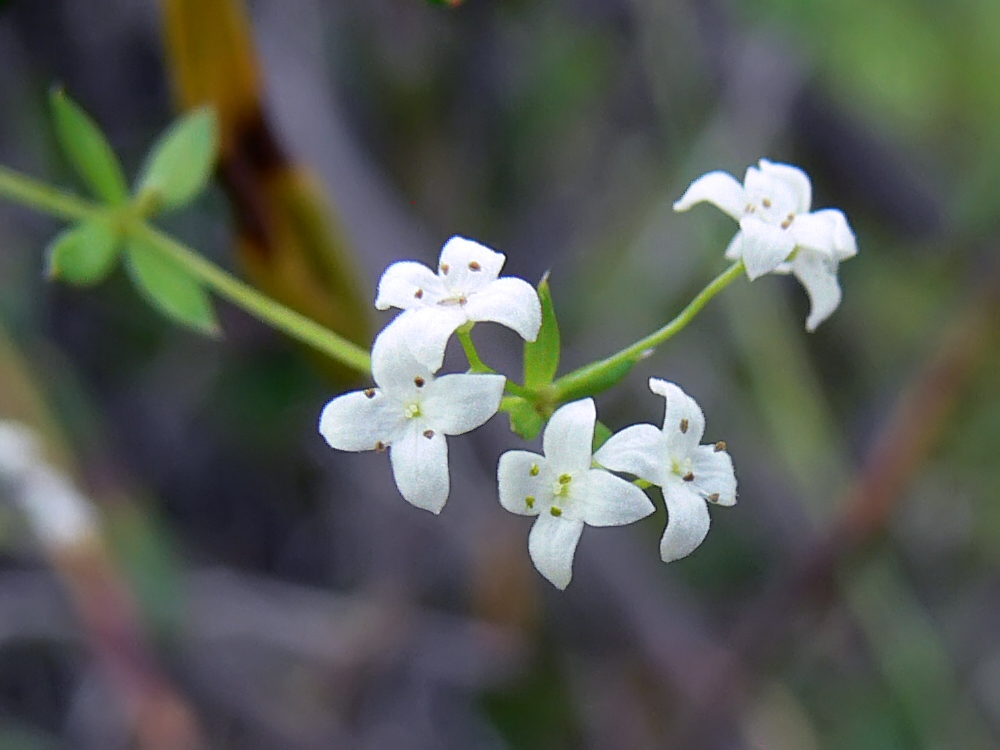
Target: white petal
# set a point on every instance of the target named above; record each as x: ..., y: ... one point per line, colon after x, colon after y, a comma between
x: 714, y: 475
x: 764, y: 246
x: 718, y: 188
x: 640, y: 450
x: 819, y: 276
x: 522, y: 475
x: 683, y: 421
x: 357, y: 422
x: 468, y: 266
x: 602, y: 499
x: 425, y: 333
x: 407, y: 284
x: 509, y: 301
x: 58, y: 513
x: 569, y: 436
x: 734, y: 250
x: 454, y: 404
x: 795, y: 179
x: 420, y: 467
x: 687, y: 522
x: 551, y: 544
x: 395, y: 367
x: 845, y: 244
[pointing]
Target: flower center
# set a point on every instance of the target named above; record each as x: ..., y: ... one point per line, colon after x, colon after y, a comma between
x: 683, y: 468
x: 411, y: 411
x: 458, y: 299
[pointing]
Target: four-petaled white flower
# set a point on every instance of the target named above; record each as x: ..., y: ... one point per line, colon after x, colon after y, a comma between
x: 466, y: 288
x: 690, y: 474
x: 409, y: 413
x: 563, y: 490
x: 777, y: 231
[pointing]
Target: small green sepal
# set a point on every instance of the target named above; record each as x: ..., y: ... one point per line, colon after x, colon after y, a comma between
x: 525, y: 421
x: 170, y: 288
x: 83, y: 254
x: 180, y: 163
x: 88, y: 149
x: 541, y: 356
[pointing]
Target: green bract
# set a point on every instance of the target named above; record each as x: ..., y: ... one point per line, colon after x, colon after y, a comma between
x: 541, y: 356
x: 85, y: 253
x: 88, y: 150
x: 170, y: 288
x: 180, y: 163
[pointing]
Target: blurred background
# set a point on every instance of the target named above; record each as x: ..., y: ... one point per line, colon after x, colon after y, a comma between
x: 250, y: 588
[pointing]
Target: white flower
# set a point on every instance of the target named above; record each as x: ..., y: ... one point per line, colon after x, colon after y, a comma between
x: 565, y: 492
x: 58, y: 514
x: 690, y: 474
x: 465, y: 289
x: 777, y: 231
x: 409, y: 413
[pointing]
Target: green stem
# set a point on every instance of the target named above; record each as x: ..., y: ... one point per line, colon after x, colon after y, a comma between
x: 260, y: 306
x: 476, y: 363
x: 28, y: 191
x: 599, y: 375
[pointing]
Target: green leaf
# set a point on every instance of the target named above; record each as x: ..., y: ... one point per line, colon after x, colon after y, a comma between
x: 541, y: 356
x: 84, y: 254
x: 525, y: 420
x: 170, y: 288
x: 87, y: 149
x: 180, y: 163
x: 599, y: 377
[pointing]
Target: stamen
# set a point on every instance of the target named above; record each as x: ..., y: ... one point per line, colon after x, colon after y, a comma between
x: 444, y: 268
x: 419, y: 382
x: 370, y: 392
x: 555, y: 511
x: 462, y: 300
x: 379, y: 446
x: 565, y: 479
x: 684, y: 426
x: 428, y: 434
x: 534, y: 470
x: 419, y: 293
x: 473, y: 266
x: 766, y: 202
x: 720, y: 446
x: 750, y: 208
x: 530, y: 501
x: 689, y: 477
x: 714, y: 497
x: 788, y: 222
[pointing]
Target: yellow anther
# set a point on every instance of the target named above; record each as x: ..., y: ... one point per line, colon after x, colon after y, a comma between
x: 534, y: 470
x: 555, y: 511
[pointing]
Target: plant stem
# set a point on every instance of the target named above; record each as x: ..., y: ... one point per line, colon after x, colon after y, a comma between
x: 260, y: 306
x: 38, y: 195
x: 30, y: 192
x: 597, y: 375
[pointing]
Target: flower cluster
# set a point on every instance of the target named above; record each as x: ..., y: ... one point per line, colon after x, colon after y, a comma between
x: 411, y: 409
x: 778, y: 233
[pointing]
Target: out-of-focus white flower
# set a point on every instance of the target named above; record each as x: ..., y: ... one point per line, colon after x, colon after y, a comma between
x: 466, y: 288
x: 18, y: 449
x: 408, y: 413
x: 690, y: 474
x: 778, y: 233
x: 59, y: 515
x: 563, y: 490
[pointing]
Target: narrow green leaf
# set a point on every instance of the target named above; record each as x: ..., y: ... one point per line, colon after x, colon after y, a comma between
x: 180, y: 163
x: 541, y: 356
x: 525, y: 420
x: 84, y: 254
x: 170, y: 288
x: 598, y: 380
x: 87, y: 149
x: 601, y: 434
